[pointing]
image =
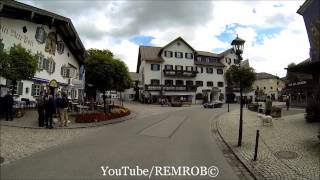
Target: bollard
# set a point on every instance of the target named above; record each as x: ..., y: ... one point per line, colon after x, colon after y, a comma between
x: 256, y: 146
x: 228, y: 106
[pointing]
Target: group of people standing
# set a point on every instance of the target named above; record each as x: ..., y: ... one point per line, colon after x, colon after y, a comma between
x: 48, y: 105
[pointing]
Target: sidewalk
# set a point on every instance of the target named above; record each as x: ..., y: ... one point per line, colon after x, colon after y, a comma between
x: 289, y: 149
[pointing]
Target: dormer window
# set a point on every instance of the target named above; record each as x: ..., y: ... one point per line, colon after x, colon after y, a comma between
x: 168, y: 53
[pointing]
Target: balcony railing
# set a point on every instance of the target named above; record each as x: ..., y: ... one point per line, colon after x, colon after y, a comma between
x: 180, y: 73
x: 188, y: 88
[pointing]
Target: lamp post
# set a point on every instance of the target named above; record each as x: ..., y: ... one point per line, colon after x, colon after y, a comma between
x: 238, y: 44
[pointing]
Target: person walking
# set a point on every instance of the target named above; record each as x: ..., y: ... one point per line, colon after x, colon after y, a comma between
x: 63, y: 110
x: 8, y: 106
x: 49, y: 111
x: 40, y: 107
x: 288, y: 103
x: 268, y: 106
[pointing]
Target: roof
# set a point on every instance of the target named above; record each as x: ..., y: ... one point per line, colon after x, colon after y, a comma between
x: 304, y: 6
x: 306, y: 66
x: 264, y: 75
x: 63, y: 25
x: 150, y: 53
x: 177, y: 39
x: 205, y: 53
x: 134, y: 76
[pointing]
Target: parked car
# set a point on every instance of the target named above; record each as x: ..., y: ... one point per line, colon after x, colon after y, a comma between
x: 213, y: 104
x: 176, y: 104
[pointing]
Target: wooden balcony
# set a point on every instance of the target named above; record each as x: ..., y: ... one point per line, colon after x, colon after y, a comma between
x: 180, y: 73
x: 187, y: 88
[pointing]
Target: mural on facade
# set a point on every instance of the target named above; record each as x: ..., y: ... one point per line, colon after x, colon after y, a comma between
x: 40, y: 35
x: 60, y: 47
x: 51, y: 43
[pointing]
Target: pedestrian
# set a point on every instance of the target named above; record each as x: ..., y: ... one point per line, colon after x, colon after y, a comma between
x: 49, y: 110
x: 288, y: 103
x: 8, y: 105
x: 268, y: 106
x: 63, y: 110
x: 40, y: 107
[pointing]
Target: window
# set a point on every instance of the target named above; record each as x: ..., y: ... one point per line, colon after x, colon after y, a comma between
x: 209, y: 83
x: 257, y: 87
x: 40, y: 62
x: 207, y: 60
x: 68, y: 72
x: 155, y: 67
x: 199, y: 58
x: 73, y: 94
x: 179, y: 68
x: 189, y: 68
x: 155, y: 81
x: 17, y: 89
x: 189, y: 83
x: 168, y: 82
x: 36, y: 89
x: 168, y: 53
x: 271, y: 87
x: 189, y: 55
x: 264, y: 87
x: 219, y: 71
x: 209, y: 70
x: 179, y: 82
x: 235, y: 61
x: 179, y: 54
x: 168, y: 67
x: 220, y: 84
x: 199, y: 83
x: 201, y: 68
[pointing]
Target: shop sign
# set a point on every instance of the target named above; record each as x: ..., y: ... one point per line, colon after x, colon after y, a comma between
x: 297, y: 83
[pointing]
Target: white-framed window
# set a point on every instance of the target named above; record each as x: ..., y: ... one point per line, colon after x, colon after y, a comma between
x: 168, y: 67
x: 207, y: 60
x: 198, y: 58
x: 189, y: 68
x: 210, y: 70
x: 179, y: 68
x: 179, y: 54
x: 155, y: 67
x: 168, y: 53
x: 219, y: 71
x: 189, y: 55
x: 155, y: 81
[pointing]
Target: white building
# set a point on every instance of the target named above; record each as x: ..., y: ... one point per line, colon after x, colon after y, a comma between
x: 179, y: 72
x: 54, y: 41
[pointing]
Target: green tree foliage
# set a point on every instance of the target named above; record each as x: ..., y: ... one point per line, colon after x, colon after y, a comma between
x: 105, y: 72
x: 18, y: 64
x: 245, y: 75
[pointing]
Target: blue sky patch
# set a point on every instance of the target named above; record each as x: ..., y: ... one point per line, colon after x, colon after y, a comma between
x: 266, y: 32
x: 142, y: 40
x: 229, y: 34
x: 278, y: 5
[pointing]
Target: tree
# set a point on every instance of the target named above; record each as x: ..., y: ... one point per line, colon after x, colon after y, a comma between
x: 122, y: 77
x: 242, y: 77
x: 105, y: 72
x: 18, y: 64
x: 100, y: 71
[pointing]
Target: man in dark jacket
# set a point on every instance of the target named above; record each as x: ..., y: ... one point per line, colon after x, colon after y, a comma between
x: 8, y: 105
x: 49, y: 111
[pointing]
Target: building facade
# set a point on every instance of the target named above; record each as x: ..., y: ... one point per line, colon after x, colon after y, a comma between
x: 54, y: 41
x: 269, y: 84
x: 178, y: 72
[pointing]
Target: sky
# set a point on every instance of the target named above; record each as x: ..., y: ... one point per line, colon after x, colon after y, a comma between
x: 275, y: 34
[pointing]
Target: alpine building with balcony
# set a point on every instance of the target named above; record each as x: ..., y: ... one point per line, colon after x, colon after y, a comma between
x: 178, y: 72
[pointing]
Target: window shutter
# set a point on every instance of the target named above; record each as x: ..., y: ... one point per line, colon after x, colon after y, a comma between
x: 175, y: 54
x: 33, y: 90
x: 20, y: 88
x: 8, y: 82
x: 165, y: 54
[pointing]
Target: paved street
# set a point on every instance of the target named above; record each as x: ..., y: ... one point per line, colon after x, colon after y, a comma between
x: 159, y: 136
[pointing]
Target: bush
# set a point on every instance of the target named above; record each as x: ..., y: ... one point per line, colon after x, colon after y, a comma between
x: 97, y: 117
x: 276, y: 111
x: 253, y: 107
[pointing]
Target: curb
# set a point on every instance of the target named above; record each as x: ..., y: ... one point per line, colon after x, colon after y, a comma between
x: 86, y: 125
x: 256, y: 175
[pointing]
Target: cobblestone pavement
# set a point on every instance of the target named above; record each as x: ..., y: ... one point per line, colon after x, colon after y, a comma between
x: 17, y: 143
x: 288, y: 133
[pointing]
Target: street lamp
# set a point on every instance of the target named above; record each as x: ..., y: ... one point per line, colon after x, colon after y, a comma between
x: 238, y: 44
